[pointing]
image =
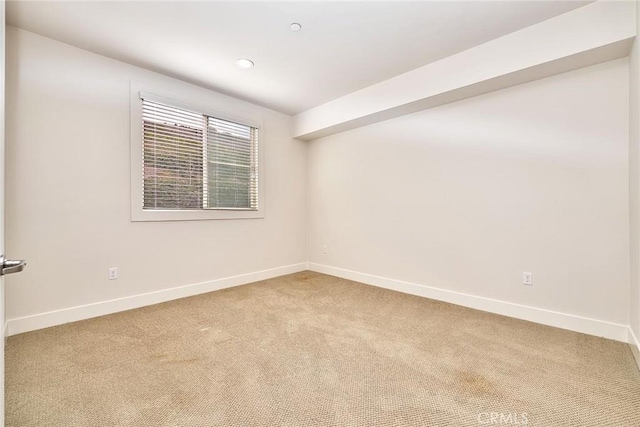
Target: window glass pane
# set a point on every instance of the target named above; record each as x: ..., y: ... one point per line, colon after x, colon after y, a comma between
x: 230, y: 162
x: 172, y: 153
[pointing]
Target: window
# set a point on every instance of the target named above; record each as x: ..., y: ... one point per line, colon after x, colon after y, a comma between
x: 192, y: 164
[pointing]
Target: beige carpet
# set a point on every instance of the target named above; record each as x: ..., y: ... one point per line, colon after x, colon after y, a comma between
x: 313, y: 350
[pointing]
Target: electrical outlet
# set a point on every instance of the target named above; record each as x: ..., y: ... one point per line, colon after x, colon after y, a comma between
x: 527, y: 279
x: 325, y: 249
x: 113, y: 273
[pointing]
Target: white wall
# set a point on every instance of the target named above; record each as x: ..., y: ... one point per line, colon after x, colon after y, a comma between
x: 68, y: 188
x: 634, y: 183
x: 467, y: 196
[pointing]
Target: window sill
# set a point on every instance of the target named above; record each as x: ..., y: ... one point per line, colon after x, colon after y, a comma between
x: 195, y: 215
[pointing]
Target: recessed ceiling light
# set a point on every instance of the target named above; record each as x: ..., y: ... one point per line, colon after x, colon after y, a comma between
x: 295, y: 27
x: 244, y: 63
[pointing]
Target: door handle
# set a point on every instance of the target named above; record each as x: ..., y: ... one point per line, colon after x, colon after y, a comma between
x: 9, y: 266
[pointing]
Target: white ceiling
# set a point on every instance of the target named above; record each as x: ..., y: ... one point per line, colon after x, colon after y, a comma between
x: 343, y: 46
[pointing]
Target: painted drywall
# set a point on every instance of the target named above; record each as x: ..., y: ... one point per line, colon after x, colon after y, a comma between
x: 468, y: 196
x: 634, y: 186
x: 67, y: 198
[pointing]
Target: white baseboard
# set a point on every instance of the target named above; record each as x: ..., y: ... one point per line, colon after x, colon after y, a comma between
x: 546, y: 317
x: 571, y: 322
x: 72, y: 314
x: 634, y: 343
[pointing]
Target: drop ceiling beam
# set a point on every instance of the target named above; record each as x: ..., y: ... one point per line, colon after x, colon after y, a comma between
x: 599, y: 32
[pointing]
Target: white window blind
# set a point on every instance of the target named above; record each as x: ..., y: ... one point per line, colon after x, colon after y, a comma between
x: 194, y: 161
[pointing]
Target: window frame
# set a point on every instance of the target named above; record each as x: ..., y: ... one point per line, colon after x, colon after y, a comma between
x: 138, y: 213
